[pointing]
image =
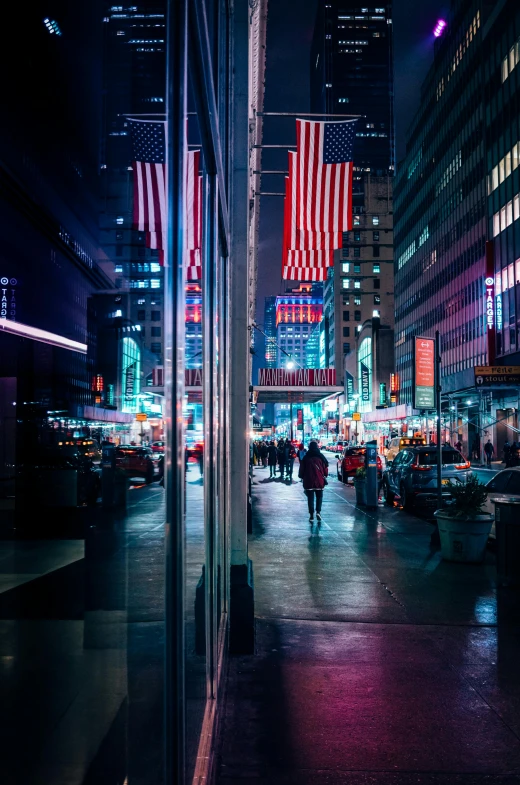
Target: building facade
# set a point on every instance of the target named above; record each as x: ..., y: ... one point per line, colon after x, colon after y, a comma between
x: 297, y: 313
x: 270, y: 332
x: 455, y: 217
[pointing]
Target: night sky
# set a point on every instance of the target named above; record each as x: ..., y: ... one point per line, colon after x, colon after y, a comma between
x: 289, y: 34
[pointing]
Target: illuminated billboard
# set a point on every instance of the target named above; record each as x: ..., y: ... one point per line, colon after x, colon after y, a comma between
x: 424, y: 373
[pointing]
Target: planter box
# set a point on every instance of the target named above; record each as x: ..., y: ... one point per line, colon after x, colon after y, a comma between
x: 361, y: 491
x: 462, y: 540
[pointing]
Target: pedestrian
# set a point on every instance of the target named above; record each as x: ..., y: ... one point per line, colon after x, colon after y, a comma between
x: 514, y: 459
x: 507, y: 454
x: 200, y: 458
x: 475, y: 449
x: 290, y: 455
x: 263, y: 454
x: 489, y: 450
x: 313, y: 471
x: 281, y: 457
x: 301, y: 452
x: 272, y: 457
x: 458, y: 446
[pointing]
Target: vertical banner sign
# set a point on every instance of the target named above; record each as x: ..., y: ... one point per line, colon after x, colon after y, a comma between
x: 130, y: 382
x: 349, y: 389
x: 382, y: 393
x: 394, y: 388
x: 365, y: 383
x: 492, y: 305
x: 299, y: 415
x: 424, y: 373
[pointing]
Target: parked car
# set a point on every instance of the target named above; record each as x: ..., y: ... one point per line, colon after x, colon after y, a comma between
x: 400, y: 442
x: 139, y: 462
x: 413, y: 474
x: 88, y: 447
x: 504, y: 483
x: 60, y: 476
x: 158, y: 447
x: 351, y: 460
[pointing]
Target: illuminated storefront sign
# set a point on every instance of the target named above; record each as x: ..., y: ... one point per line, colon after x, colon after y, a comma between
x: 365, y: 374
x: 304, y: 377
x: 490, y: 302
x: 8, y: 298
x: 130, y: 374
x: 493, y: 294
x: 424, y: 373
x: 349, y: 389
x: 365, y: 382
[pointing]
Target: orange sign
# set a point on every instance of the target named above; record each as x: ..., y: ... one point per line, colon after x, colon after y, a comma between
x: 141, y: 417
x: 356, y: 416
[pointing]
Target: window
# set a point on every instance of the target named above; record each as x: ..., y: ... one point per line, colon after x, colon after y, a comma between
x: 377, y: 283
x: 155, y: 267
x: 346, y: 283
x: 120, y: 220
x: 375, y: 220
x: 357, y: 284
x: 377, y: 299
x: 141, y: 252
x: 156, y: 332
x: 375, y: 237
x: 375, y: 250
x: 346, y: 332
x: 118, y: 268
x: 357, y: 301
x: 119, y: 236
x: 376, y: 268
x: 141, y: 329
x: 155, y: 283
x: 141, y: 315
x: 346, y: 300
x: 357, y: 237
x: 156, y: 348
x: 356, y: 220
x: 345, y: 267
x: 141, y: 301
x: 346, y: 348
x: 346, y: 252
x: 156, y: 316
x: 357, y: 268
x: 357, y: 252
x: 357, y: 316
x: 346, y: 316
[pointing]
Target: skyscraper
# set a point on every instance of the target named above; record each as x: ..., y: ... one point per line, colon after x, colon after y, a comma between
x: 352, y: 73
x: 270, y: 332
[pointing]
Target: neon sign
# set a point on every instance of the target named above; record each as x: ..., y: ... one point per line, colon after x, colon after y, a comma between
x: 490, y: 304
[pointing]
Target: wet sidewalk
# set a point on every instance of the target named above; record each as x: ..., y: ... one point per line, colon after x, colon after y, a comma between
x: 376, y: 661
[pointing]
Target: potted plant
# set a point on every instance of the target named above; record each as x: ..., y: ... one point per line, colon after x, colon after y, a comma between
x: 463, y: 527
x: 360, y: 484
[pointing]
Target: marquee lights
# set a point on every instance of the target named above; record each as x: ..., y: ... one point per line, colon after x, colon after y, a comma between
x: 439, y: 27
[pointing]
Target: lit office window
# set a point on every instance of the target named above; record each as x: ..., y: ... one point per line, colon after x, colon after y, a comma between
x: 346, y: 267
x: 155, y: 283
x: 375, y: 220
x: 357, y: 284
x: 376, y: 268
x: 346, y: 283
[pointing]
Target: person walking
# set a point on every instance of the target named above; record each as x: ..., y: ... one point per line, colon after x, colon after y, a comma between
x: 475, y: 449
x: 489, y: 450
x: 281, y: 457
x: 302, y: 452
x: 263, y: 454
x: 514, y: 458
x: 290, y: 455
x: 458, y: 446
x: 272, y: 457
x: 507, y: 453
x: 313, y: 471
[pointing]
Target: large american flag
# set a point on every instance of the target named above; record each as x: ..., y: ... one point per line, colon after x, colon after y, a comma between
x: 324, y: 181
x: 306, y: 254
x: 150, y: 211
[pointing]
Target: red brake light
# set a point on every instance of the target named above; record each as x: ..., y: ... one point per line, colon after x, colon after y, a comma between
x: 465, y: 465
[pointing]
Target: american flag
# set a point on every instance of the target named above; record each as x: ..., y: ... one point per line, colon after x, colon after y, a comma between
x: 150, y: 211
x: 324, y: 182
x: 306, y: 255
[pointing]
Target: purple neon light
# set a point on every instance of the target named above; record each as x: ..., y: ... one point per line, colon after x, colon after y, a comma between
x: 439, y: 27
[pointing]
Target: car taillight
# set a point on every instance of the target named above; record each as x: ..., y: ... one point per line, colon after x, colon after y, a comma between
x: 465, y: 465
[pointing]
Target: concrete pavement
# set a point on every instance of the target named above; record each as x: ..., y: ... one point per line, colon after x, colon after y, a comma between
x: 376, y: 661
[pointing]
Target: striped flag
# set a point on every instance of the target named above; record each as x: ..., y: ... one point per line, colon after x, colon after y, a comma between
x: 306, y: 255
x: 324, y: 182
x: 193, y: 217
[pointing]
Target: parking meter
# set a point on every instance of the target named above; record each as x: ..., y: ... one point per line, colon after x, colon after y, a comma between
x: 371, y: 470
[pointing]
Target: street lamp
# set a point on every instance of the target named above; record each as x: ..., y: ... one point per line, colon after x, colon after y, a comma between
x: 289, y: 364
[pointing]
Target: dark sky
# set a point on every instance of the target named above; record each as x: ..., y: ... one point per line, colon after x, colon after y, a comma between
x: 289, y: 34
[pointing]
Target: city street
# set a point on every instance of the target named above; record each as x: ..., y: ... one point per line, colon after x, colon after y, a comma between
x: 376, y: 661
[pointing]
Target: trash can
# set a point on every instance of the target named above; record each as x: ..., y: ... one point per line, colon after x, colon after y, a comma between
x: 507, y: 532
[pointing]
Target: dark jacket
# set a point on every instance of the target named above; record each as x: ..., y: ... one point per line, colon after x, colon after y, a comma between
x: 263, y: 451
x: 272, y: 455
x: 281, y: 454
x: 314, y: 468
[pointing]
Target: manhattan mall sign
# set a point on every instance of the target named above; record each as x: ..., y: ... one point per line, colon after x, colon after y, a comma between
x: 303, y: 385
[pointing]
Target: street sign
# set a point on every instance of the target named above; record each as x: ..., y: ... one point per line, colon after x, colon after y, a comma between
x: 356, y: 416
x: 491, y: 375
x: 424, y: 373
x: 141, y: 417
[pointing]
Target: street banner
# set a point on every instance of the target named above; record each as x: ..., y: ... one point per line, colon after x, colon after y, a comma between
x: 349, y: 389
x: 424, y: 373
x: 299, y: 420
